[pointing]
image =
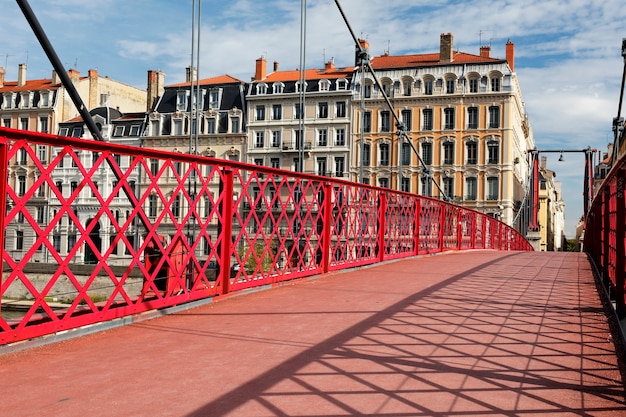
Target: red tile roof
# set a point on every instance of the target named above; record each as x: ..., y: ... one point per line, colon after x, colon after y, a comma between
x: 422, y: 60
x: 220, y: 79
x: 310, y: 74
x: 31, y: 85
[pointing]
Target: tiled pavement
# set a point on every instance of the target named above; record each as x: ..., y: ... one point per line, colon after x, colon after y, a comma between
x: 462, y: 334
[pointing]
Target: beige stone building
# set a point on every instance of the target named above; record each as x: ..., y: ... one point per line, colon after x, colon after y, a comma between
x: 465, y: 116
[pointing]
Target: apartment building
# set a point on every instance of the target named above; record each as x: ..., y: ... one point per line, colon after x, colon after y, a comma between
x: 465, y: 116
x: 201, y: 117
x: 311, y: 135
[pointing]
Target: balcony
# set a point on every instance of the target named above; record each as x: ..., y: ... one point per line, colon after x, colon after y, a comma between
x: 293, y: 148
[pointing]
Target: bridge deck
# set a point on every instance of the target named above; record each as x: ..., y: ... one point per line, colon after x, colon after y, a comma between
x: 477, y: 333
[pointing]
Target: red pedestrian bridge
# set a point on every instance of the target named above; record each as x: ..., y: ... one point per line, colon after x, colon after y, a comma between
x: 273, y: 293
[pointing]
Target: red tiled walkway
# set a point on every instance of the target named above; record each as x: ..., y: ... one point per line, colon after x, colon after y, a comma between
x: 464, y: 334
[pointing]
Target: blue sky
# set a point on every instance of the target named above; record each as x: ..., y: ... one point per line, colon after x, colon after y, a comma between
x: 568, y: 52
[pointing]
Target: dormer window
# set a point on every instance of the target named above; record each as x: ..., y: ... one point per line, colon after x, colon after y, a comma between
x: 495, y: 84
x: 342, y: 84
x: 300, y: 87
x: 181, y: 101
x: 324, y: 85
x: 261, y: 89
x: 44, y: 101
x: 119, y: 131
x: 8, y: 101
x: 25, y: 103
x: 278, y: 88
x: 215, y: 96
x: 134, y: 130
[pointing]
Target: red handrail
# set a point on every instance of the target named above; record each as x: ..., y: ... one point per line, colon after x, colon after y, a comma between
x: 96, y: 231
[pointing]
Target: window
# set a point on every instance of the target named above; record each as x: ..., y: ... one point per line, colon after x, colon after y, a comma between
x: 43, y: 125
x: 472, y: 117
x: 321, y: 166
x: 448, y: 187
x: 385, y: 121
x: 406, y: 153
x: 427, y: 122
x: 341, y: 108
x: 134, y: 130
x: 214, y: 99
x: 384, y: 154
x: 342, y: 84
x: 260, y: 112
x: 406, y: 117
x: 64, y: 131
x: 181, y: 101
x: 59, y: 185
x: 428, y: 87
x: 367, y: 91
x: 24, y: 123
x: 406, y: 87
x: 94, y: 189
x: 154, y: 166
x: 297, y: 165
x: 495, y: 84
x: 300, y: 87
x: 276, y: 138
x: 427, y: 153
x: 234, y: 125
x: 21, y: 185
x: 73, y: 187
x: 208, y: 206
x: 176, y: 206
x: 448, y: 115
x: 322, y: 137
x: 472, y: 153
x: 19, y: 240
x: 42, y: 153
x: 261, y: 89
x: 367, y: 121
x: 340, y: 137
x: 322, y: 110
x: 40, y: 215
x: 275, y: 162
x: 299, y: 111
x: 450, y: 86
x: 473, y: 85
x: 406, y: 184
x: 298, y: 140
x: 260, y: 140
x: 71, y: 241
x: 6, y: 122
x: 448, y: 153
x: 492, y: 188
x: 211, y: 126
x: 494, y: 117
x: 427, y: 186
x: 383, y: 182
x: 278, y: 88
x: 387, y: 88
x: 277, y: 112
x: 77, y: 132
x: 339, y: 166
x: 493, y: 152
x: 366, y: 154
x: 119, y: 131
x: 178, y: 127
x: 23, y: 157
x: 259, y: 162
x: 470, y: 188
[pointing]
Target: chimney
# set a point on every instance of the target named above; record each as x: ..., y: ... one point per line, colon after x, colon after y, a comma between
x: 73, y: 74
x: 365, y: 45
x: 94, y: 98
x: 276, y: 66
x: 21, y: 75
x: 330, y: 65
x: 510, y: 54
x: 446, y: 47
x: 188, y: 73
x: 261, y: 69
x: 1, y: 77
x: 55, y: 78
x: 485, y: 51
x: 156, y: 83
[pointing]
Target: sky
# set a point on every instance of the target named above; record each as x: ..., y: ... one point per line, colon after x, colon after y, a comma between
x: 567, y: 52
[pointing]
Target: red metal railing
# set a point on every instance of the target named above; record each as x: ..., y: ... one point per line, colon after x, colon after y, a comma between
x: 605, y: 228
x: 96, y: 231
